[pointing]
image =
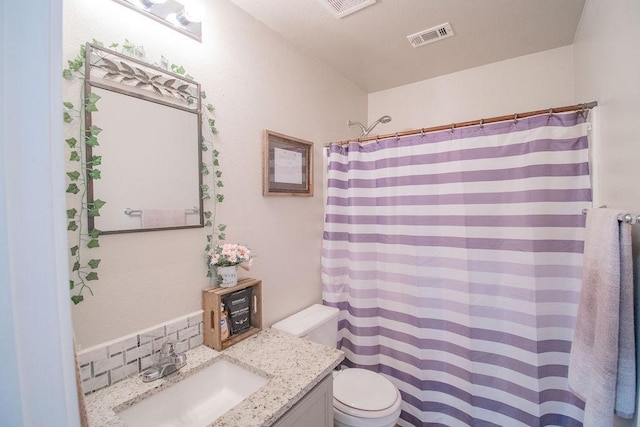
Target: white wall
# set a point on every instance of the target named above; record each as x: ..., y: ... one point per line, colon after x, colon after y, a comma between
x: 538, y: 81
x: 256, y: 82
x: 608, y: 70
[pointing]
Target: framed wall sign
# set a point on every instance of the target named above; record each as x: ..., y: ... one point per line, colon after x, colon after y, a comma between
x: 287, y: 167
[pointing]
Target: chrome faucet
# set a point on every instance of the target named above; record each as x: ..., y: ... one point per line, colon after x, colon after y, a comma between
x: 168, y: 362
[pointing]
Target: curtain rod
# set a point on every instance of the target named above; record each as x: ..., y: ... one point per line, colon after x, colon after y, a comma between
x: 577, y: 107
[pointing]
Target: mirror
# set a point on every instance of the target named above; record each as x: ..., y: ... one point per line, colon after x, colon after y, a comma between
x: 149, y: 149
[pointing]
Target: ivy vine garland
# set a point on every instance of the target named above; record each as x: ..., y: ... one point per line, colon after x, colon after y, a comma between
x: 82, y: 168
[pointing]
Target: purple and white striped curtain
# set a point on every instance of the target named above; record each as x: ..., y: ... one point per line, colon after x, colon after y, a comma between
x: 456, y: 261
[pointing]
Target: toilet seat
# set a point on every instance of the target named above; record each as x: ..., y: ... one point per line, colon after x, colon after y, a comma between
x: 364, y: 394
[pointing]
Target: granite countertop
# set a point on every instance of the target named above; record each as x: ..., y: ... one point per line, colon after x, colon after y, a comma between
x: 293, y: 365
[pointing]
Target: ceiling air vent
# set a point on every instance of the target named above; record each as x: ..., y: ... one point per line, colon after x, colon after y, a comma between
x: 342, y: 8
x: 431, y: 35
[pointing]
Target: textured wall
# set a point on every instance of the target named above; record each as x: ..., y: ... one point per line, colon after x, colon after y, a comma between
x: 256, y: 82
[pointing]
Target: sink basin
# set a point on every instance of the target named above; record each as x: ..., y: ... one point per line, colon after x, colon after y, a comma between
x: 197, y: 400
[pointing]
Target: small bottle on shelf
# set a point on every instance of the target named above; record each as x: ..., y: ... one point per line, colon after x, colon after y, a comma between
x: 224, y: 324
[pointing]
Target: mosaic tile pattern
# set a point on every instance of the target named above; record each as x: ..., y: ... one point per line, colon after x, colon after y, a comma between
x: 106, y: 364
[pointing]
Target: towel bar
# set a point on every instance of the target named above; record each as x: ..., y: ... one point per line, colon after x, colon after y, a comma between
x: 628, y: 218
x: 129, y: 211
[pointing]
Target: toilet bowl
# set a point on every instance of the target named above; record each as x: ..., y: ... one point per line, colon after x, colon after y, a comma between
x: 361, y: 398
x: 364, y: 398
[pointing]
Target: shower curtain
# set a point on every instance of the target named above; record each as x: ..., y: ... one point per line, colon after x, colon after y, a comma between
x: 455, y: 259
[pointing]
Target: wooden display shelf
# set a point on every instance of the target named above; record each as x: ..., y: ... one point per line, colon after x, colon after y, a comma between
x: 211, y: 302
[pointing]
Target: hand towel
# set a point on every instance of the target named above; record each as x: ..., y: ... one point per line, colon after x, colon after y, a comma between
x: 155, y: 218
x: 603, y: 323
x: 626, y: 379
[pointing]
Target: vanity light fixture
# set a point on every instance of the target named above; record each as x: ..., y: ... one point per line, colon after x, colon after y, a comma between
x: 191, y: 13
x: 149, y: 3
x: 184, y: 16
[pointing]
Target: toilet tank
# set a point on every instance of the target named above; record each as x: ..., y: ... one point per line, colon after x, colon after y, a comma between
x: 317, y: 323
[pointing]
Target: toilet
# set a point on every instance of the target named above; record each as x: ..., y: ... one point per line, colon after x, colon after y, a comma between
x: 361, y: 398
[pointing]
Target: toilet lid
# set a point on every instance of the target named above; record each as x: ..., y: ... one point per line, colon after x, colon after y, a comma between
x: 364, y: 390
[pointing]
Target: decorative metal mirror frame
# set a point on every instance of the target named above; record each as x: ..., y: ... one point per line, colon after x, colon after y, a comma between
x: 113, y: 71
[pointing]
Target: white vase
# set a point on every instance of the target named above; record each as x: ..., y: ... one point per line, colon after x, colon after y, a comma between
x: 227, y: 276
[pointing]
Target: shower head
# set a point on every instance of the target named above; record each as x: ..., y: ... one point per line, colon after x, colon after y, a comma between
x: 366, y: 131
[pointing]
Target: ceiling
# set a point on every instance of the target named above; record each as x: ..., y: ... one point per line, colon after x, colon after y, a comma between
x: 370, y: 48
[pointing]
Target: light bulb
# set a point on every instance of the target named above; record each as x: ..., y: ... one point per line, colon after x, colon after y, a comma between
x: 150, y: 3
x: 192, y: 12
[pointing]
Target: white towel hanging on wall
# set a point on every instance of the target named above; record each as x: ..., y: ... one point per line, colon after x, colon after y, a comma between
x: 602, y: 360
x: 155, y: 218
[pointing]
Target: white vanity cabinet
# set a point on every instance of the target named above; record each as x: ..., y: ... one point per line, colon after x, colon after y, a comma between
x: 315, y: 409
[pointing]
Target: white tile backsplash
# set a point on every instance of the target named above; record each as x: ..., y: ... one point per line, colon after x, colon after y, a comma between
x: 195, y: 319
x: 185, y: 334
x: 124, y: 372
x: 123, y: 345
x: 196, y: 341
x: 104, y: 365
x: 85, y: 372
x: 147, y: 361
x: 91, y: 355
x: 177, y: 325
x: 182, y: 346
x: 152, y: 335
x: 95, y: 383
x: 138, y: 352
